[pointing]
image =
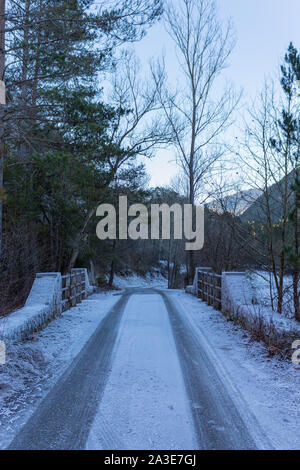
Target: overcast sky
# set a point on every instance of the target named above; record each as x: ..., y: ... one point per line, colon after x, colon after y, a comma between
x: 264, y: 29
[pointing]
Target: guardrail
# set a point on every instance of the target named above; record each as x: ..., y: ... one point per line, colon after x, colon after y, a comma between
x: 73, y: 289
x: 209, y: 288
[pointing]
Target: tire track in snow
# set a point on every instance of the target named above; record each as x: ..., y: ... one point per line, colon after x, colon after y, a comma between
x: 145, y: 400
x: 217, y: 422
x: 64, y: 418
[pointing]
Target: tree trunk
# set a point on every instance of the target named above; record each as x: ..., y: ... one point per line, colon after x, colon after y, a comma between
x: 191, y: 258
x: 74, y: 257
x: 23, y: 149
x: 296, y: 275
x: 112, y: 265
x: 283, y: 240
x: 82, y: 235
x: 296, y: 295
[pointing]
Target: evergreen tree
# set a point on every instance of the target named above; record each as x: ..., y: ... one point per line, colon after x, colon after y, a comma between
x: 289, y: 124
x: 56, y: 127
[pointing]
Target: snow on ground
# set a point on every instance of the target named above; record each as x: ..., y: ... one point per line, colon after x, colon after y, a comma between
x: 263, y: 386
x: 145, y: 396
x: 260, y: 282
x: 33, y: 366
x: 241, y: 304
x: 269, y: 387
x: 134, y: 280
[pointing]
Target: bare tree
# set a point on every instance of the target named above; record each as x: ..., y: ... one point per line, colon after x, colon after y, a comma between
x: 269, y: 170
x: 196, y: 111
x: 137, y: 129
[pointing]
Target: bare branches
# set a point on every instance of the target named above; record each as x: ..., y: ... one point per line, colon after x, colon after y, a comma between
x: 196, y: 112
x: 137, y: 127
x: 268, y: 155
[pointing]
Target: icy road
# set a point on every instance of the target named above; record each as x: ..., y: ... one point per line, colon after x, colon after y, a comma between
x: 144, y: 380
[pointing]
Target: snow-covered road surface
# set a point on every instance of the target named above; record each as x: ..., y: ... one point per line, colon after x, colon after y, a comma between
x: 144, y: 380
x: 144, y: 400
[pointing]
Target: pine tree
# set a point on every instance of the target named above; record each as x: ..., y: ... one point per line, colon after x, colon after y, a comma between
x: 56, y: 126
x: 290, y: 126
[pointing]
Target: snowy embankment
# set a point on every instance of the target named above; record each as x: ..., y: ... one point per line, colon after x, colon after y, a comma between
x: 34, y: 365
x: 240, y: 304
x: 134, y: 280
x: 262, y: 282
x: 245, y: 301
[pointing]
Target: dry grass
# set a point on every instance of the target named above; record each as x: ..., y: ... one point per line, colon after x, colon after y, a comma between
x: 261, y: 329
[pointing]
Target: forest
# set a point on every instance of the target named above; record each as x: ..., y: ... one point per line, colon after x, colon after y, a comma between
x: 81, y: 116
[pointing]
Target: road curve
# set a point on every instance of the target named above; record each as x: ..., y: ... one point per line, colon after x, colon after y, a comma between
x: 65, y: 417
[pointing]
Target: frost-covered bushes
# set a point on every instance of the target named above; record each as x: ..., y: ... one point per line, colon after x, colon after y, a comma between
x: 240, y: 304
x: 264, y: 328
x: 135, y: 280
